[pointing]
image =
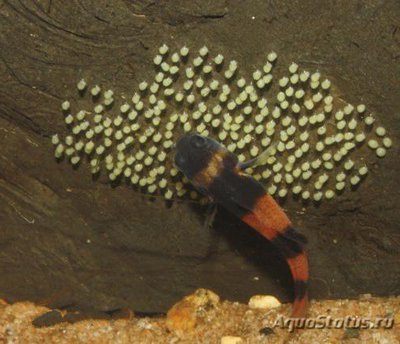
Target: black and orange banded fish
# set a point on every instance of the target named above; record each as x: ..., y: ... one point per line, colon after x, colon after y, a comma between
x: 217, y: 173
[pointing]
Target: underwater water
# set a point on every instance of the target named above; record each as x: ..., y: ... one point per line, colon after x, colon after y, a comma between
x: 110, y: 89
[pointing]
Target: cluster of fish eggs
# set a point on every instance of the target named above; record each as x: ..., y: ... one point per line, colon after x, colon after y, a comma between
x: 314, y: 135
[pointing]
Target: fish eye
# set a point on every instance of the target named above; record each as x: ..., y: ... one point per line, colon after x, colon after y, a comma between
x: 198, y: 141
x: 179, y: 160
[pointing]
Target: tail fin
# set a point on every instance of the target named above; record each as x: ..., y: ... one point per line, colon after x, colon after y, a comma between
x: 271, y: 221
x: 299, y: 268
x: 291, y: 243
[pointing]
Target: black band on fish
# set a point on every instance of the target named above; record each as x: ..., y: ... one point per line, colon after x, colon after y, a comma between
x: 300, y: 288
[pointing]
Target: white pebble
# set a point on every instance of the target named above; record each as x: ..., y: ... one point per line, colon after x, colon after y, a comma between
x: 263, y: 302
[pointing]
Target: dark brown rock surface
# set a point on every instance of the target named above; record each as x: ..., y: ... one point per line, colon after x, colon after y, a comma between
x: 67, y: 240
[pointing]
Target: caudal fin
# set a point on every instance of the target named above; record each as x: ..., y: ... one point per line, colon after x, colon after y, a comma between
x: 299, y: 268
x: 291, y: 243
x: 271, y: 221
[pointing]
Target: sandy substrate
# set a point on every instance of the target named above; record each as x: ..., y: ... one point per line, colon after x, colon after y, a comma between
x: 202, y: 318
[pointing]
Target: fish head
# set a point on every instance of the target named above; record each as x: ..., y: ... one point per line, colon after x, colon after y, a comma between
x: 193, y: 152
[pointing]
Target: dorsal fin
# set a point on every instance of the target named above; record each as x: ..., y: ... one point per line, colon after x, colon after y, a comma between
x: 259, y: 160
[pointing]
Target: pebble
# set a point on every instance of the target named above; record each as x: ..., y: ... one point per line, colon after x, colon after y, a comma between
x: 263, y: 302
x: 231, y: 340
x: 182, y: 317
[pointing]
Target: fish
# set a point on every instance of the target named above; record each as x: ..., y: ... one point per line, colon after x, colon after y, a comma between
x: 217, y: 173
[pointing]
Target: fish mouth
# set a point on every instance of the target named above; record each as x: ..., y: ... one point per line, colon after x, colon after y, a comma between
x: 177, y: 148
x: 174, y: 151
